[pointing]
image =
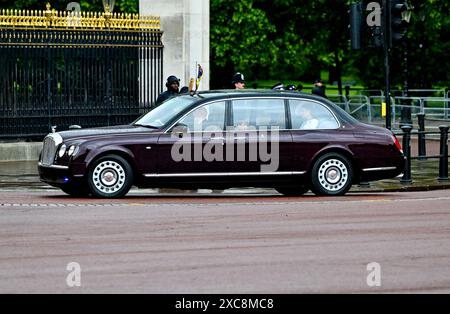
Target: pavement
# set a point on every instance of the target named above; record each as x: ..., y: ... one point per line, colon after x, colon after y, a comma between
x: 424, y: 173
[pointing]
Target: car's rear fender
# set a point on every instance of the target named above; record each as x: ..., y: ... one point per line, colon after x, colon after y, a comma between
x: 342, y: 150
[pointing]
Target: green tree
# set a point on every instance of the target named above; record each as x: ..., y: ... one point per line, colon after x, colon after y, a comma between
x: 313, y: 36
x: 299, y: 38
x: 427, y: 48
x: 240, y: 41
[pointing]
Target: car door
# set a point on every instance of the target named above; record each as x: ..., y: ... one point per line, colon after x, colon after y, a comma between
x: 195, y: 145
x: 258, y: 139
x: 313, y: 127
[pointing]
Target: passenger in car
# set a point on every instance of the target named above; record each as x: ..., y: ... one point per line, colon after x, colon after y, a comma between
x: 309, y: 122
x: 200, y: 118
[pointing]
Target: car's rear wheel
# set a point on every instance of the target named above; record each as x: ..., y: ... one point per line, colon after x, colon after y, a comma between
x: 332, y: 174
x: 110, y: 177
x: 293, y: 191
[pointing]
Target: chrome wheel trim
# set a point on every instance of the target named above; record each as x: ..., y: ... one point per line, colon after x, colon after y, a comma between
x: 333, y: 175
x: 108, y: 177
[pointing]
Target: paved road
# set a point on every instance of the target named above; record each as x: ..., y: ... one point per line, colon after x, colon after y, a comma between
x: 242, y: 244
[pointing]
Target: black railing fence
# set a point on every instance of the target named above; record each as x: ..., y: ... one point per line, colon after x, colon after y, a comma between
x: 89, y: 70
x: 407, y: 133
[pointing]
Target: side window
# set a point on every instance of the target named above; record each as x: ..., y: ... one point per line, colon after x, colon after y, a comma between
x: 251, y: 114
x: 307, y: 115
x: 210, y: 117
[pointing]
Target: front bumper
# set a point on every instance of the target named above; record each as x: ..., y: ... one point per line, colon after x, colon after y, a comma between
x: 58, y: 176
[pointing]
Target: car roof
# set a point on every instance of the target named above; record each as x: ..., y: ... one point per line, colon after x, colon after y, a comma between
x: 233, y: 93
x: 244, y: 93
x: 248, y: 93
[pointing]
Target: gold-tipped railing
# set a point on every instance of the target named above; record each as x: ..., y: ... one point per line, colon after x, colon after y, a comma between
x: 50, y: 18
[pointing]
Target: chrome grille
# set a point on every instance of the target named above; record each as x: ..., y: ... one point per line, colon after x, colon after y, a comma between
x: 51, y: 143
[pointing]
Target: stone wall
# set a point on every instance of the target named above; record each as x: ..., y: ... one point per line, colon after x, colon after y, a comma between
x: 185, y: 26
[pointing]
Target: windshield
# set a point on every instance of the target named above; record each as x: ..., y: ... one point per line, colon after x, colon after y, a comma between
x: 162, y: 114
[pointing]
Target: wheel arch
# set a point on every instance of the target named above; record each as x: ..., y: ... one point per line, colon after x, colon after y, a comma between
x: 338, y: 150
x: 118, y: 151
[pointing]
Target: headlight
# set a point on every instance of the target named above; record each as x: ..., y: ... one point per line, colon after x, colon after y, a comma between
x: 73, y: 150
x: 62, y: 151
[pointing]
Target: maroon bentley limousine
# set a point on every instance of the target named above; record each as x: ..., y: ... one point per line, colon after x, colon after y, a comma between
x: 290, y: 141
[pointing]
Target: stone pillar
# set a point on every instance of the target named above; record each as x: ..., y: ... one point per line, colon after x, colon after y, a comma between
x: 185, y: 26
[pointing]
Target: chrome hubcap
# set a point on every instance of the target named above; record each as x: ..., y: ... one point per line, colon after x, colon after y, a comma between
x: 108, y: 177
x: 333, y: 175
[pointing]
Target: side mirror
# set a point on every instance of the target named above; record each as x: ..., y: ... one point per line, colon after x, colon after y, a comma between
x: 179, y: 130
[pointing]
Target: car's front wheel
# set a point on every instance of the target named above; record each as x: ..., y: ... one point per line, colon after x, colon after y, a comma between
x: 110, y: 176
x: 331, y: 174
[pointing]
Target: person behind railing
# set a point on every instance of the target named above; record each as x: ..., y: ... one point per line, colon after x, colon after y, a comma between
x: 238, y: 81
x: 319, y: 88
x: 184, y: 90
x: 173, y: 85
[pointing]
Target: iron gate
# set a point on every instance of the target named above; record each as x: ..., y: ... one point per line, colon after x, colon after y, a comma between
x: 90, y: 69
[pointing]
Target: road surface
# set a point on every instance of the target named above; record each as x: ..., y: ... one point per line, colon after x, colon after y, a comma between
x: 225, y: 244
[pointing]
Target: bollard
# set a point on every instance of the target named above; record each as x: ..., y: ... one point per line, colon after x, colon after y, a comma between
x: 406, y: 179
x: 421, y: 137
x: 443, y: 159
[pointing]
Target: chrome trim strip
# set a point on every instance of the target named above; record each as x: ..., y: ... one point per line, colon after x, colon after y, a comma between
x: 224, y: 174
x: 379, y: 169
x: 53, y: 166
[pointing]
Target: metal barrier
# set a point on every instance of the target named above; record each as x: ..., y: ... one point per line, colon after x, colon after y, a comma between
x: 443, y: 152
x: 370, y: 92
x: 404, y: 110
x: 427, y: 91
x: 340, y: 100
x: 359, y: 107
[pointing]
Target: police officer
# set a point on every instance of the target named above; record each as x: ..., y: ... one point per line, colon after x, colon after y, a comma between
x: 173, y: 85
x: 238, y: 81
x: 319, y: 88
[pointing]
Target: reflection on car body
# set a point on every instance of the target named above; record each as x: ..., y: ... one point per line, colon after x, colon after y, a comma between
x: 224, y: 139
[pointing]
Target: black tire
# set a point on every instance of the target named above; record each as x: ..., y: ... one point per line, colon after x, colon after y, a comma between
x: 332, y: 174
x: 110, y: 176
x: 75, y: 191
x: 293, y: 191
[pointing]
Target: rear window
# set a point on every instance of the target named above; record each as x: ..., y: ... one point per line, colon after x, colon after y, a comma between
x: 309, y: 115
x: 265, y: 113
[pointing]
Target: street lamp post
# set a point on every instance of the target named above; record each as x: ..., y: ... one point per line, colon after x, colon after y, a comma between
x: 386, y: 46
x: 406, y: 103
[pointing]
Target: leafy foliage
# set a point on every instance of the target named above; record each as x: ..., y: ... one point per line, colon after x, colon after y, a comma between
x: 240, y: 37
x: 302, y: 38
x: 299, y: 39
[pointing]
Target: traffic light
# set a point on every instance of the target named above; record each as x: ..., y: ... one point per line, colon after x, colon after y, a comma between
x: 399, y: 16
